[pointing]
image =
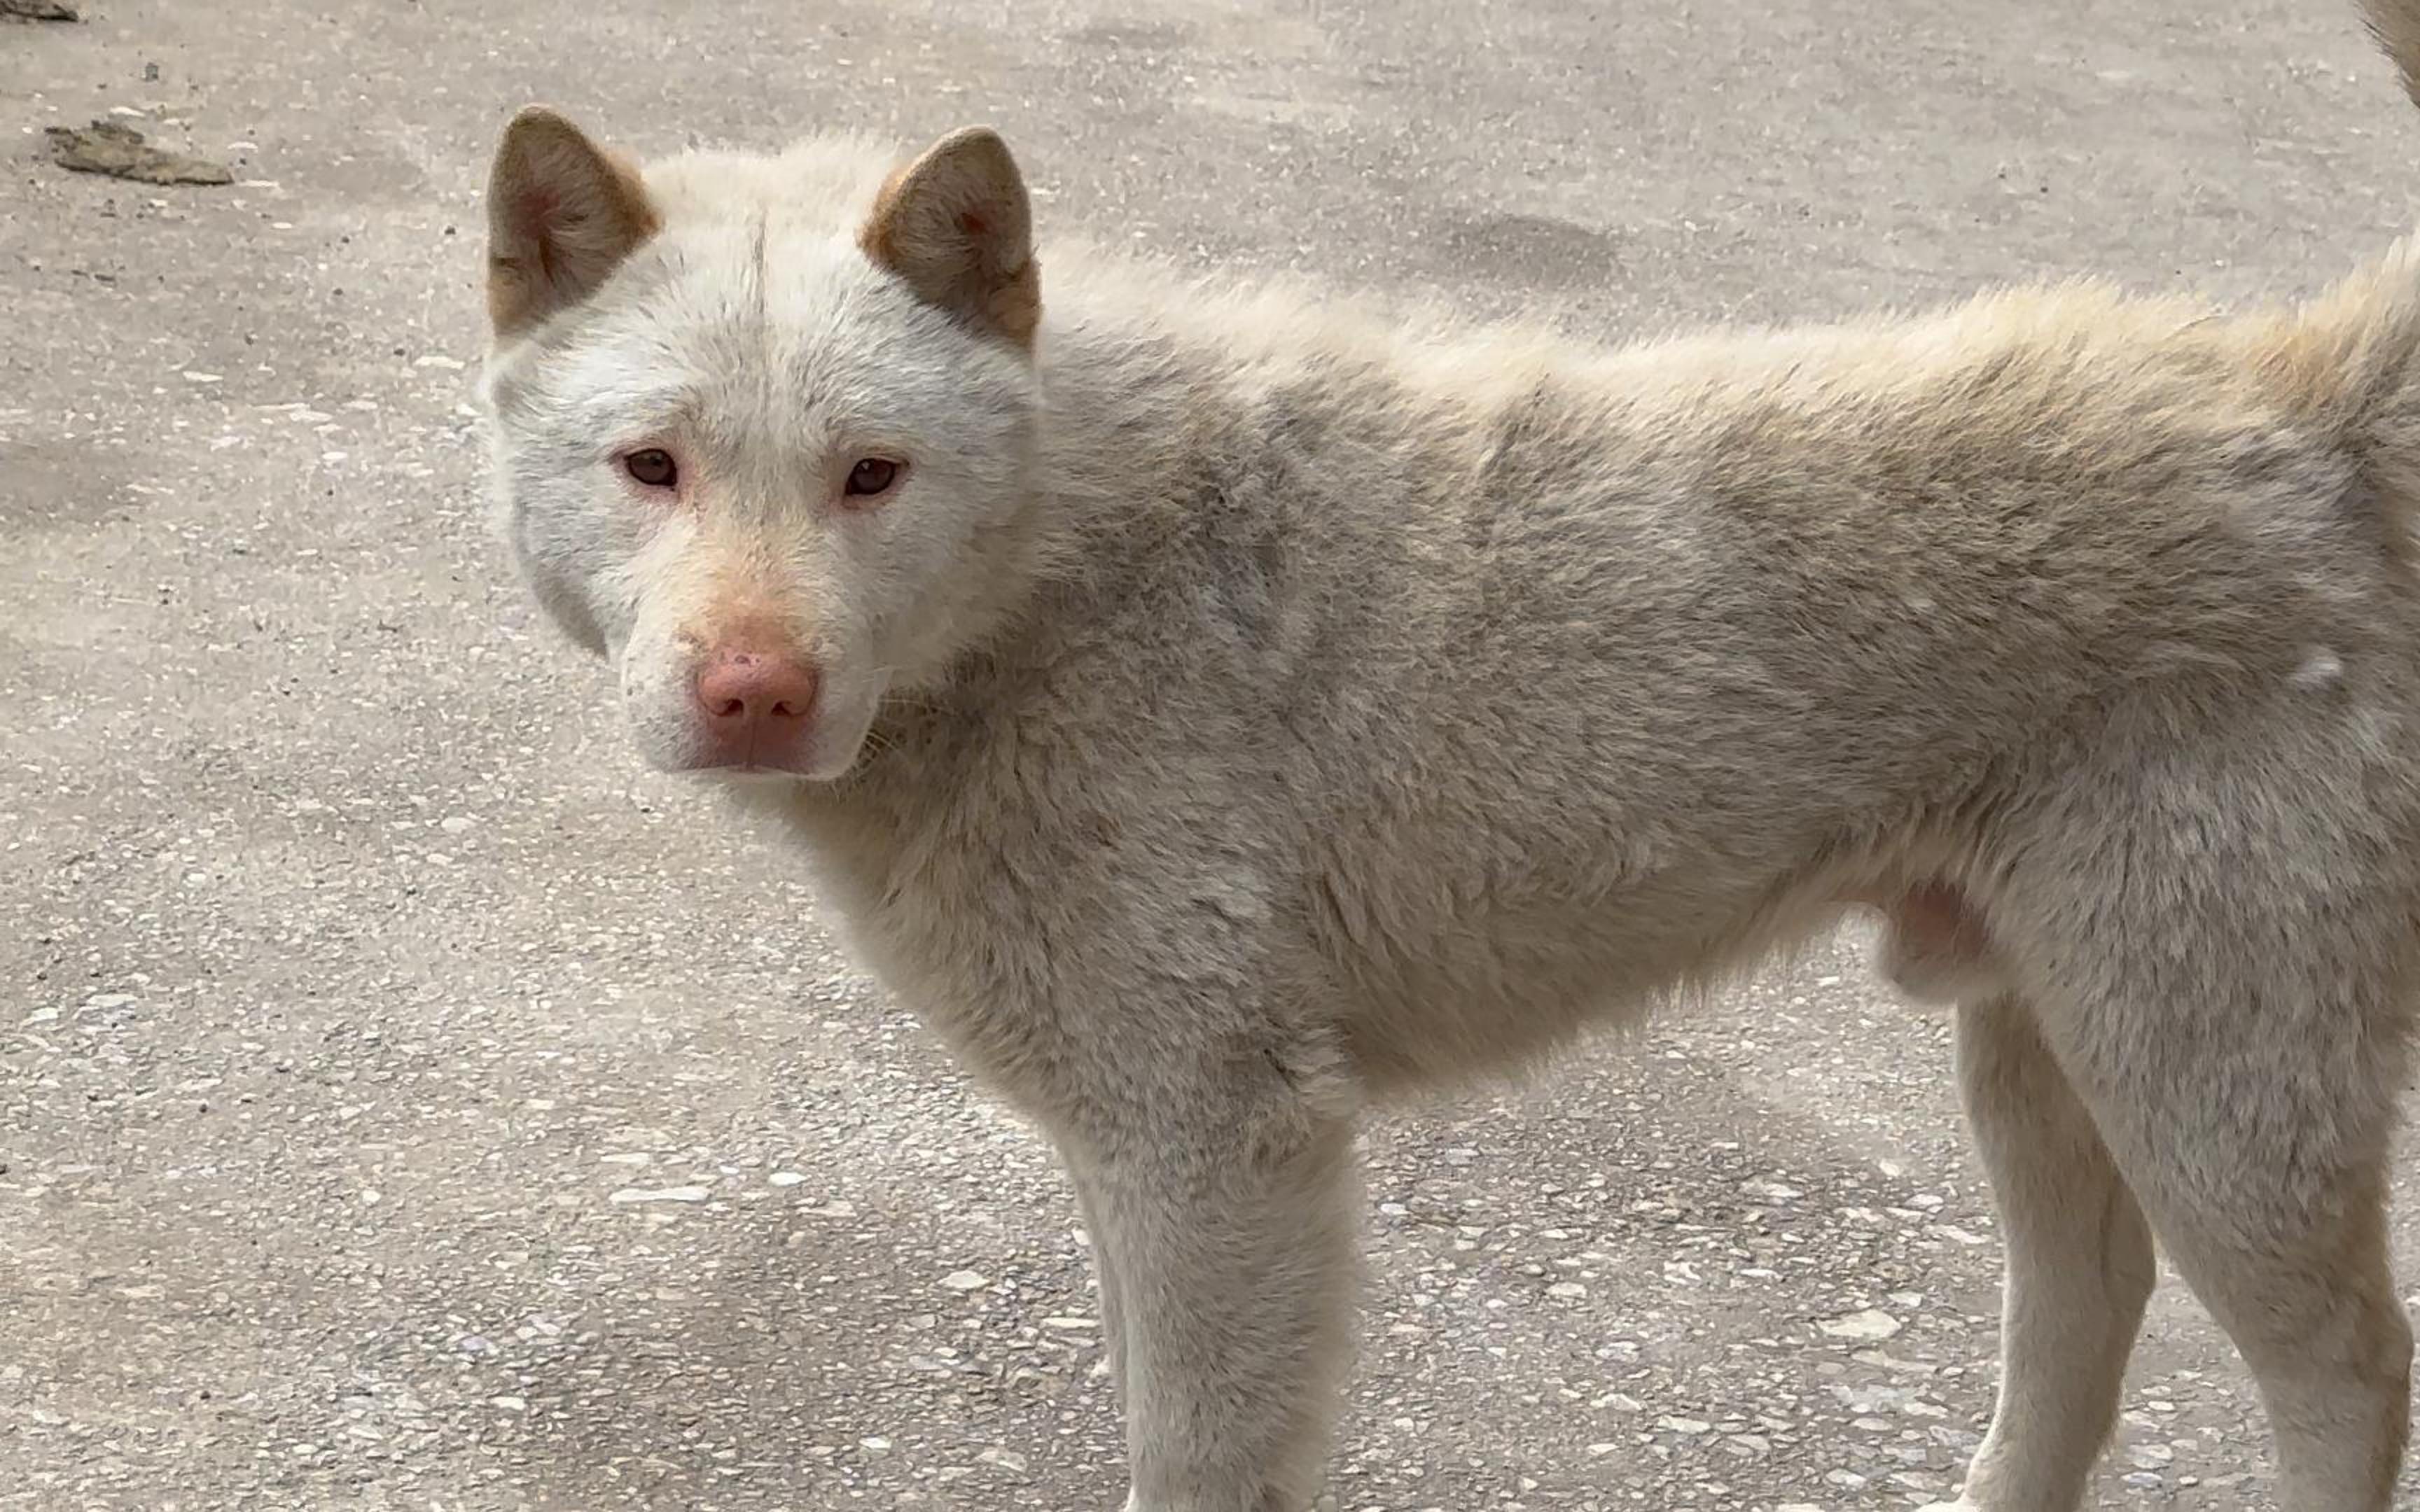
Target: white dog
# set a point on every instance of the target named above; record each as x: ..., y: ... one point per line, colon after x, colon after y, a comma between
x: 1217, y: 710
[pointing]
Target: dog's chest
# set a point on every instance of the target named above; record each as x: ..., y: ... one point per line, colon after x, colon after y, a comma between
x: 1001, y: 890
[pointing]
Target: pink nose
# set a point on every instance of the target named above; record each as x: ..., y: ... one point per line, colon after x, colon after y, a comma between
x: 756, y: 706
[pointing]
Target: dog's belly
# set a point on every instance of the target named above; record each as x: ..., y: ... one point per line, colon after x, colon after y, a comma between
x: 1484, y: 991
x: 1491, y: 989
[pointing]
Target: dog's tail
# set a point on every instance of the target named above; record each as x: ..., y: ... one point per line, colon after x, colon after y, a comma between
x: 2373, y: 317
x: 2396, y: 24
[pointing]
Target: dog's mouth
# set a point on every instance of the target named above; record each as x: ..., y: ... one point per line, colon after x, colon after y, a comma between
x: 815, y: 754
x: 805, y: 765
x: 751, y: 773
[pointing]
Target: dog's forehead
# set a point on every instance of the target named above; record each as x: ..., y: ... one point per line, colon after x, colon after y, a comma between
x: 773, y: 275
x: 826, y: 182
x: 768, y: 241
x: 763, y: 336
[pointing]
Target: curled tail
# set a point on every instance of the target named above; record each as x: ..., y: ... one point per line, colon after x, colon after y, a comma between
x: 2374, y: 316
x: 2396, y: 24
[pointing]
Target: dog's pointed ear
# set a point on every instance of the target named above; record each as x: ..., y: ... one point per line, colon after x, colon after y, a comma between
x: 562, y: 214
x: 957, y: 227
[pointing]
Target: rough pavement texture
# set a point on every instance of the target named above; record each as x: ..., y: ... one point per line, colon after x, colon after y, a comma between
x: 406, y: 1102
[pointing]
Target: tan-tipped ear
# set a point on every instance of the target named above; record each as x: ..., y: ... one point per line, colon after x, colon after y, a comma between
x: 956, y: 225
x: 561, y: 213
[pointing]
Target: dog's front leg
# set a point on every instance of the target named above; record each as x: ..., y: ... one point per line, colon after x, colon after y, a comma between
x: 1225, y: 1221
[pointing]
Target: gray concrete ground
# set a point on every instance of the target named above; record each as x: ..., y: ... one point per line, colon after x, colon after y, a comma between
x: 406, y: 1102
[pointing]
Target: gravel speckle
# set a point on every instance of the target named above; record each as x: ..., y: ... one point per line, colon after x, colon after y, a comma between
x: 1867, y: 1323
x: 661, y: 1193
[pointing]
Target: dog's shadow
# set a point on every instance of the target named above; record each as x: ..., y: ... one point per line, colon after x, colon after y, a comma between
x: 1661, y: 1257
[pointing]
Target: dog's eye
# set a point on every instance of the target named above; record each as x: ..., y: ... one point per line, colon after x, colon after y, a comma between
x: 652, y: 467
x: 872, y: 475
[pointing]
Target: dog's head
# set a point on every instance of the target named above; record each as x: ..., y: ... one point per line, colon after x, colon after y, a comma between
x: 764, y: 425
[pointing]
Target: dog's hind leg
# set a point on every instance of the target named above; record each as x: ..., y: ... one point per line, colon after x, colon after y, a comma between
x: 2222, y: 962
x: 2261, y: 1166
x: 1106, y: 1279
x: 2079, y: 1266
x: 2310, y: 1303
